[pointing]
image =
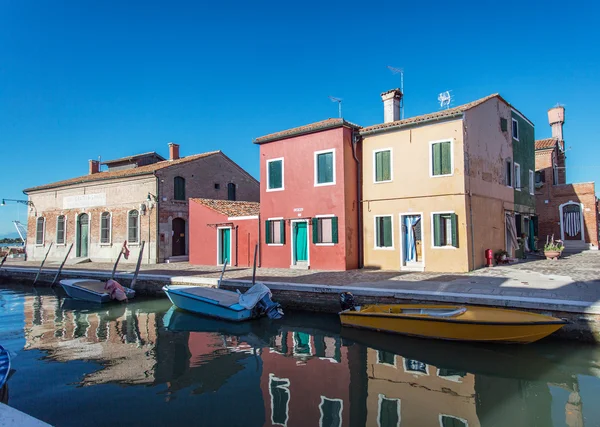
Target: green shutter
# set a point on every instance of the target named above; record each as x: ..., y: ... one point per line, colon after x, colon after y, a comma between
x: 386, y: 166
x: 275, y: 175
x: 378, y: 167
x: 334, y: 229
x: 387, y: 231
x: 437, y: 159
x: 437, y: 232
x: 282, y: 231
x: 446, y: 158
x: 315, y: 230
x: 267, y: 231
x: 454, y: 225
x: 377, y: 232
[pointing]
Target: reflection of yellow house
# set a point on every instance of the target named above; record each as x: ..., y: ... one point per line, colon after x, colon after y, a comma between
x: 411, y: 393
x: 434, y: 186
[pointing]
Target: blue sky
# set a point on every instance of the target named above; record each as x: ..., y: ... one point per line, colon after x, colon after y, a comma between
x: 82, y: 79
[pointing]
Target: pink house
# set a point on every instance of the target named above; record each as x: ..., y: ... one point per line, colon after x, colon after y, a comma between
x: 309, y: 210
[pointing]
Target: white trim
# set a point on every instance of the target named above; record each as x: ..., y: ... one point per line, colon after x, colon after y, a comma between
x: 327, y: 244
x: 325, y: 216
x: 323, y: 399
x: 282, y: 174
x: 395, y: 365
x: 293, y: 243
x: 310, y: 347
x: 219, y: 245
x: 43, y: 231
x: 531, y: 183
x: 562, y: 230
x: 433, y: 233
x: 512, y: 130
x: 453, y: 378
x: 316, y: 169
x: 410, y: 371
x: 89, y: 240
x: 64, y: 243
x: 391, y: 165
x: 451, y: 141
x: 517, y: 182
x: 417, y: 266
x: 512, y: 173
x: 398, y: 405
x: 452, y: 416
x: 109, y: 243
x: 279, y: 218
x: 138, y: 228
x: 285, y: 387
x: 522, y: 116
x: 382, y: 248
x: 241, y: 218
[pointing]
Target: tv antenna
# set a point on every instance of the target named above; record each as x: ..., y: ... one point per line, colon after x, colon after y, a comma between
x: 400, y: 71
x: 339, y: 101
x: 445, y: 99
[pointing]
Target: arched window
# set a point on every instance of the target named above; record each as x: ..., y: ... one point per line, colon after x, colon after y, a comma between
x: 60, y: 230
x: 40, y: 228
x: 179, y: 183
x: 133, y: 227
x: 105, y: 228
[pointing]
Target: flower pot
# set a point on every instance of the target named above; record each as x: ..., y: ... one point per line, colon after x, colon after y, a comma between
x: 552, y: 254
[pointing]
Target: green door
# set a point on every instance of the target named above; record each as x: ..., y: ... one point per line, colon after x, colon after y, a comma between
x: 82, y: 235
x: 225, y: 246
x: 300, y: 242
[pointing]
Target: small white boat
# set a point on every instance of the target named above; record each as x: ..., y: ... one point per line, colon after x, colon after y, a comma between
x: 94, y: 290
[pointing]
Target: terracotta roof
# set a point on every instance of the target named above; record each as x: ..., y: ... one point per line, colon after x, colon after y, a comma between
x: 302, y: 130
x: 136, y: 156
x: 142, y: 170
x: 231, y: 208
x: 544, y: 144
x: 431, y: 116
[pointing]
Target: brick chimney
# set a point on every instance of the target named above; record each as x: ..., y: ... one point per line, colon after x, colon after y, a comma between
x: 173, y: 151
x: 94, y: 166
x: 556, y: 118
x: 391, y: 105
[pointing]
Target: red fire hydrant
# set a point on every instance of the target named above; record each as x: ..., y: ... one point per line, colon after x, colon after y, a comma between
x: 489, y: 257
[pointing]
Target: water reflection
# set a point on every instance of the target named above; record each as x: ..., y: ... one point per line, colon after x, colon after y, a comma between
x: 304, y: 370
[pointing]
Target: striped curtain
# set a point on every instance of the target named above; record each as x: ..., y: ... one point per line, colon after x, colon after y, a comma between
x: 572, y: 223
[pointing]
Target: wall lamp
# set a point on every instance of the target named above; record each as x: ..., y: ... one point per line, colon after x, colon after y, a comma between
x: 24, y: 202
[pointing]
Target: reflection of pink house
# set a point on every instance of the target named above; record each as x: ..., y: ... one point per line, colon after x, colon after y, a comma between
x: 306, y: 381
x: 309, y: 201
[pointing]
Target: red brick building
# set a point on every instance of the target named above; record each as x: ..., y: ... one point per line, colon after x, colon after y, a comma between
x: 567, y: 211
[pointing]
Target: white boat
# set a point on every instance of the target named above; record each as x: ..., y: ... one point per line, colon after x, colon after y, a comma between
x: 92, y: 290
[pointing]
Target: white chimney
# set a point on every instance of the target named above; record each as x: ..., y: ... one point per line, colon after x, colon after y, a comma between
x: 556, y: 118
x: 391, y: 105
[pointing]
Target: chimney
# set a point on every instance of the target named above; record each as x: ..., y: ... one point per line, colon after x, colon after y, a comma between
x: 173, y: 151
x: 94, y: 166
x: 391, y: 105
x: 556, y: 118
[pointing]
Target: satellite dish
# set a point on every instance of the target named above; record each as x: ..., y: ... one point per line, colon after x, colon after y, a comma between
x: 445, y: 99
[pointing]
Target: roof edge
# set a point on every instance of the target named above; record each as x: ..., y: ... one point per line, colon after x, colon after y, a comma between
x: 328, y: 126
x: 453, y: 116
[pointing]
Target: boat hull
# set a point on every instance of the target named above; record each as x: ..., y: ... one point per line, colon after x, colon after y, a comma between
x: 81, y: 293
x: 456, y: 329
x: 205, y: 306
x: 4, y: 365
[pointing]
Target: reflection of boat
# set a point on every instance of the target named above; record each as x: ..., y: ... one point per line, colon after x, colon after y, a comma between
x: 111, y: 312
x: 451, y: 322
x: 91, y: 290
x: 4, y: 365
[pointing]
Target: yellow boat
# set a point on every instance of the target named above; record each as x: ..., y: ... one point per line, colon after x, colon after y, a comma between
x: 453, y: 322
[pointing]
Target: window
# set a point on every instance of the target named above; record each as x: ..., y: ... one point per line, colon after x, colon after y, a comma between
x: 331, y: 412
x: 531, y: 183
x: 445, y: 230
x: 389, y: 412
x: 275, y: 232
x: 515, y: 129
x: 450, y: 421
x: 415, y: 366
x: 179, y: 192
x: 60, y: 230
x: 133, y: 226
x: 517, y: 179
x: 385, y: 357
x: 325, y: 230
x: 384, y: 232
x: 302, y: 343
x: 231, y: 191
x: 451, y: 373
x: 540, y: 177
x: 40, y: 226
x: 274, y: 174
x: 217, y: 186
x: 382, y: 161
x: 279, y: 389
x: 105, y: 225
x: 503, y: 124
x: 325, y: 167
x: 555, y: 175
x: 509, y: 173
x: 441, y: 158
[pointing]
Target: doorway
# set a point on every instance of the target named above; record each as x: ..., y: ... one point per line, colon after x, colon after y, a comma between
x: 571, y: 222
x: 224, y: 246
x: 178, y: 237
x: 83, y: 227
x: 412, y: 242
x: 300, y: 242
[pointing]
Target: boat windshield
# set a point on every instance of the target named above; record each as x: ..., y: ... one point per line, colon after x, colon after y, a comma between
x: 437, y: 312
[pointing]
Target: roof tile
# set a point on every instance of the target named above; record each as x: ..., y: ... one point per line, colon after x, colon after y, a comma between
x: 230, y: 208
x: 309, y: 128
x: 544, y: 144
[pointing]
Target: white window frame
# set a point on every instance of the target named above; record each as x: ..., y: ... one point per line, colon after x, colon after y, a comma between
x: 399, y: 405
x: 110, y: 228
x: 384, y: 363
x: 512, y: 131
x: 531, y: 182
x: 375, y: 165
x: 452, y: 416
x: 512, y: 173
x: 383, y: 248
x: 433, y: 246
x: 43, y: 231
x: 327, y: 216
x: 410, y: 371
x: 282, y: 174
x: 323, y: 399
x: 219, y: 244
x: 138, y: 228
x: 279, y: 218
x: 453, y: 378
x: 451, y: 141
x: 289, y: 393
x: 316, y: 168
x: 517, y: 176
x: 64, y: 243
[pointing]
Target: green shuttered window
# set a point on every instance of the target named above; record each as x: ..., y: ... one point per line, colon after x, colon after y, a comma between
x: 445, y: 230
x: 383, y: 166
x: 383, y: 232
x: 179, y: 183
x: 275, y: 232
x: 40, y: 225
x: 275, y: 174
x: 60, y: 230
x: 325, y: 173
x: 441, y: 158
x: 133, y: 226
x: 325, y: 230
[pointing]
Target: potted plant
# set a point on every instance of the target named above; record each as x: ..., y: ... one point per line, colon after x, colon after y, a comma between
x: 553, y: 248
x: 500, y: 256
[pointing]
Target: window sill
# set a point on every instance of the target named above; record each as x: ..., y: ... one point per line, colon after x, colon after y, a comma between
x: 324, y: 184
x: 384, y: 248
x: 324, y: 244
x: 106, y: 244
x: 383, y: 182
x: 269, y: 190
x: 129, y: 244
x: 517, y: 189
x: 179, y: 201
x: 274, y: 244
x: 444, y: 247
x: 61, y: 244
x: 441, y: 176
x: 39, y: 245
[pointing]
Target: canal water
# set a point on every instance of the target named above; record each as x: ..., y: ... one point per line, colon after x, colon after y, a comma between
x: 145, y: 364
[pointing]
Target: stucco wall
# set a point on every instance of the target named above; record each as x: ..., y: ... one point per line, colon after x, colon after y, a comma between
x: 523, y: 154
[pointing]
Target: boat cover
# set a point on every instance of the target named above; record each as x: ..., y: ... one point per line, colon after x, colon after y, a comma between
x: 253, y: 295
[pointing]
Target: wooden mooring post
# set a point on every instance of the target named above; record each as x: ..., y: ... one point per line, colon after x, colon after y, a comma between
x: 42, y: 265
x: 137, y: 267
x: 61, y: 266
x: 123, y: 250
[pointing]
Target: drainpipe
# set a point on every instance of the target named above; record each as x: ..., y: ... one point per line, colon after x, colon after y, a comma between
x: 259, y: 256
x: 156, y: 238
x: 355, y: 139
x: 236, y: 245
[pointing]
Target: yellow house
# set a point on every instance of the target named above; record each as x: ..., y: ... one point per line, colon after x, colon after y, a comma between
x: 434, y: 186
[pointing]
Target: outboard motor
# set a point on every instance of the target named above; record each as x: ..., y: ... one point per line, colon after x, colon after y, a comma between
x: 347, y: 301
x: 272, y: 309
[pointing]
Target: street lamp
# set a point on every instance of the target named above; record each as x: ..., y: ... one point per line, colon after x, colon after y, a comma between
x: 24, y: 202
